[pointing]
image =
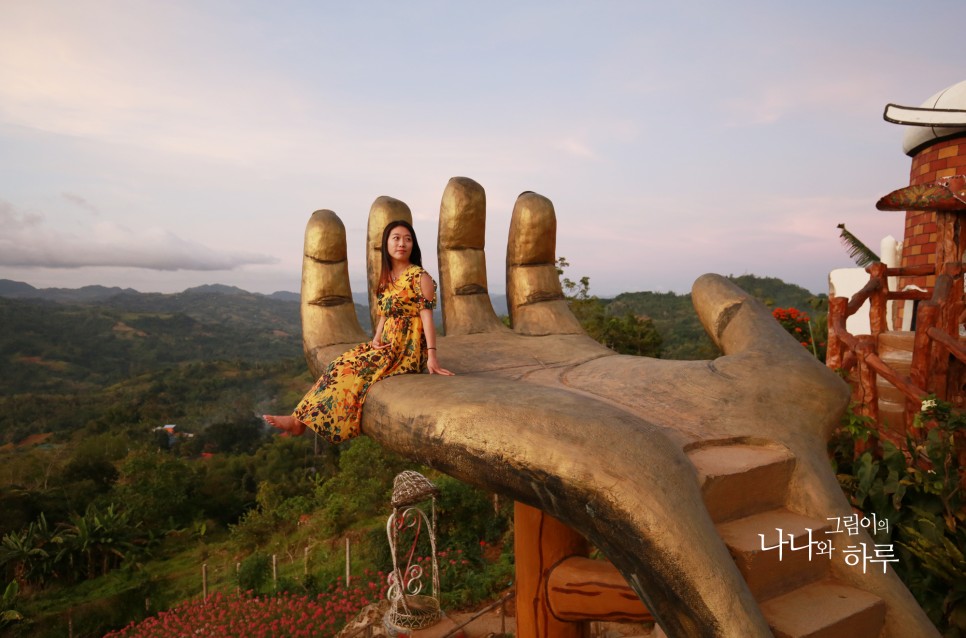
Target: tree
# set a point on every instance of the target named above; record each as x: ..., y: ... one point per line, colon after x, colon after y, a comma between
x: 862, y: 254
x: 29, y: 552
x: 98, y: 540
x: 158, y: 489
x: 626, y: 334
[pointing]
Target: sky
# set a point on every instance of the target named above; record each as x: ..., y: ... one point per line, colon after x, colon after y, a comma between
x: 164, y: 145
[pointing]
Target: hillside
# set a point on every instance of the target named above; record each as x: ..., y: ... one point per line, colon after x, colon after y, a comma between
x: 84, y: 385
x: 126, y: 357
x: 677, y: 323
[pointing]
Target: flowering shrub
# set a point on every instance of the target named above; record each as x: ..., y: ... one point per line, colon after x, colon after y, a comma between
x: 798, y: 325
x: 917, y: 486
x: 464, y: 582
x: 285, y: 615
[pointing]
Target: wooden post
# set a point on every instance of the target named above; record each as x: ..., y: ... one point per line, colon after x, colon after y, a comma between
x: 540, y: 542
x: 877, y: 299
x: 204, y: 581
x: 869, y: 404
x: 238, y: 578
x: 939, y: 357
x: 503, y: 614
x: 348, y: 567
x: 274, y: 572
x: 921, y: 357
x: 305, y: 569
x: 837, y: 307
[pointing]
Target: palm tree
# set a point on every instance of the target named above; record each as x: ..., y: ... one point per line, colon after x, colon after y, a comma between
x: 862, y: 254
x: 26, y: 553
x: 97, y: 538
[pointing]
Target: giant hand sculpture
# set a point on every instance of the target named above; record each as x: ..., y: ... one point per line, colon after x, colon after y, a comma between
x: 601, y: 441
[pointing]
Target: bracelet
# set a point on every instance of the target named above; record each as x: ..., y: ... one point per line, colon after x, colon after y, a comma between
x: 430, y: 348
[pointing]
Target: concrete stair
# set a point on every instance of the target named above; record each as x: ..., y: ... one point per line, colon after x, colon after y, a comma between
x: 895, y: 349
x: 745, y: 487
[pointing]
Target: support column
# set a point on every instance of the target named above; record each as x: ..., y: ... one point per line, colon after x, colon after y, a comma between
x: 540, y: 542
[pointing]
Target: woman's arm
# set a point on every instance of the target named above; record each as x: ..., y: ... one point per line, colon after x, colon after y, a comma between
x: 377, y: 337
x: 428, y: 291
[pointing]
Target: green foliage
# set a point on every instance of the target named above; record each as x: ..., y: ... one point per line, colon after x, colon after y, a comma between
x: 918, y: 489
x: 255, y: 573
x: 30, y: 555
x: 625, y: 333
x: 98, y: 541
x: 814, y: 337
x: 683, y: 336
x: 49, y: 347
x: 363, y: 486
x: 9, y: 614
x: 158, y: 489
x: 862, y: 254
x: 468, y: 517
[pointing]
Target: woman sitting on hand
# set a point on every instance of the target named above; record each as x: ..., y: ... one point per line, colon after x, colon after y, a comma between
x: 404, y: 342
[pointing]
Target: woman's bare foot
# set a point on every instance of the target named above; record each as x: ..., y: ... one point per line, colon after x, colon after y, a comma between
x: 287, y: 424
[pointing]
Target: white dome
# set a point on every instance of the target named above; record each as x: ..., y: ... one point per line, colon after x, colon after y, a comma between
x: 952, y: 98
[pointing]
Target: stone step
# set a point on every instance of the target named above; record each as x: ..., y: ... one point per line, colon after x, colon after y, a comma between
x: 826, y: 609
x: 899, y: 342
x: 895, y: 349
x: 891, y: 418
x: 741, y: 479
x: 772, y: 572
x: 887, y: 392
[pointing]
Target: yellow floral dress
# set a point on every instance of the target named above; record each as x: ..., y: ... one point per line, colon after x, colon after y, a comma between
x: 333, y: 407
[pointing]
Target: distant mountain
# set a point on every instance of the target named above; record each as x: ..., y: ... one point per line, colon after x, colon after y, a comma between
x: 216, y: 289
x: 15, y: 289
x: 19, y: 290
x: 55, y: 337
x: 91, y: 294
x: 281, y: 295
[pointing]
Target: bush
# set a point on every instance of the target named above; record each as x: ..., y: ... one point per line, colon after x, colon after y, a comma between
x: 797, y: 324
x: 918, y: 489
x: 255, y: 572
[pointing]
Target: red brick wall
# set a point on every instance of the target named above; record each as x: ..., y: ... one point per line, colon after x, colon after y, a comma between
x: 919, y: 243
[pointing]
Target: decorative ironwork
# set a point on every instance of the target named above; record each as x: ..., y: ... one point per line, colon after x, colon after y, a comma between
x: 409, y: 608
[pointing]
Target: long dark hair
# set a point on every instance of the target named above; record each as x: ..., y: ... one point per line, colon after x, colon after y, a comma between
x: 416, y: 257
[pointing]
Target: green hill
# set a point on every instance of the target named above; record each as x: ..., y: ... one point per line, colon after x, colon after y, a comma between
x: 84, y: 385
x: 677, y: 323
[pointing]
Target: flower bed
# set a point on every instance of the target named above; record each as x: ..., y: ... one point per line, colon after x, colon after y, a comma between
x: 284, y: 615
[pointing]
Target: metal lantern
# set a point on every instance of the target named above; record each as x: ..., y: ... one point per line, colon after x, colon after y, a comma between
x: 409, y: 608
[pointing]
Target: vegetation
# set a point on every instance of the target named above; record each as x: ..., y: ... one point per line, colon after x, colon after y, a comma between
x: 626, y: 333
x: 917, y: 487
x: 287, y: 615
x: 664, y: 324
x: 108, y: 517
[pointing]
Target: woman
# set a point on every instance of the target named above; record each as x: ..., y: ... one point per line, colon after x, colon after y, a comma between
x: 404, y: 342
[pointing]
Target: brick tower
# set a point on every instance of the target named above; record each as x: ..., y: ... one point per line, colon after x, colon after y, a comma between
x: 938, y: 151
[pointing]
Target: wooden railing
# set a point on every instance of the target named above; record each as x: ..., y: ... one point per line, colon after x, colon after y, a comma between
x: 938, y: 318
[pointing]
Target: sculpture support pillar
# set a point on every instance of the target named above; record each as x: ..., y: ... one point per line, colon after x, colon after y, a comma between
x: 539, y: 543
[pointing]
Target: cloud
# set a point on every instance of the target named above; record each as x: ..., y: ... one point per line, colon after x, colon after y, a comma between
x: 31, y: 241
x: 576, y: 148
x: 81, y: 202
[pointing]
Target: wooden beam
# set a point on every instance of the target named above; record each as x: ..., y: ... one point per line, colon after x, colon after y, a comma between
x: 583, y: 589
